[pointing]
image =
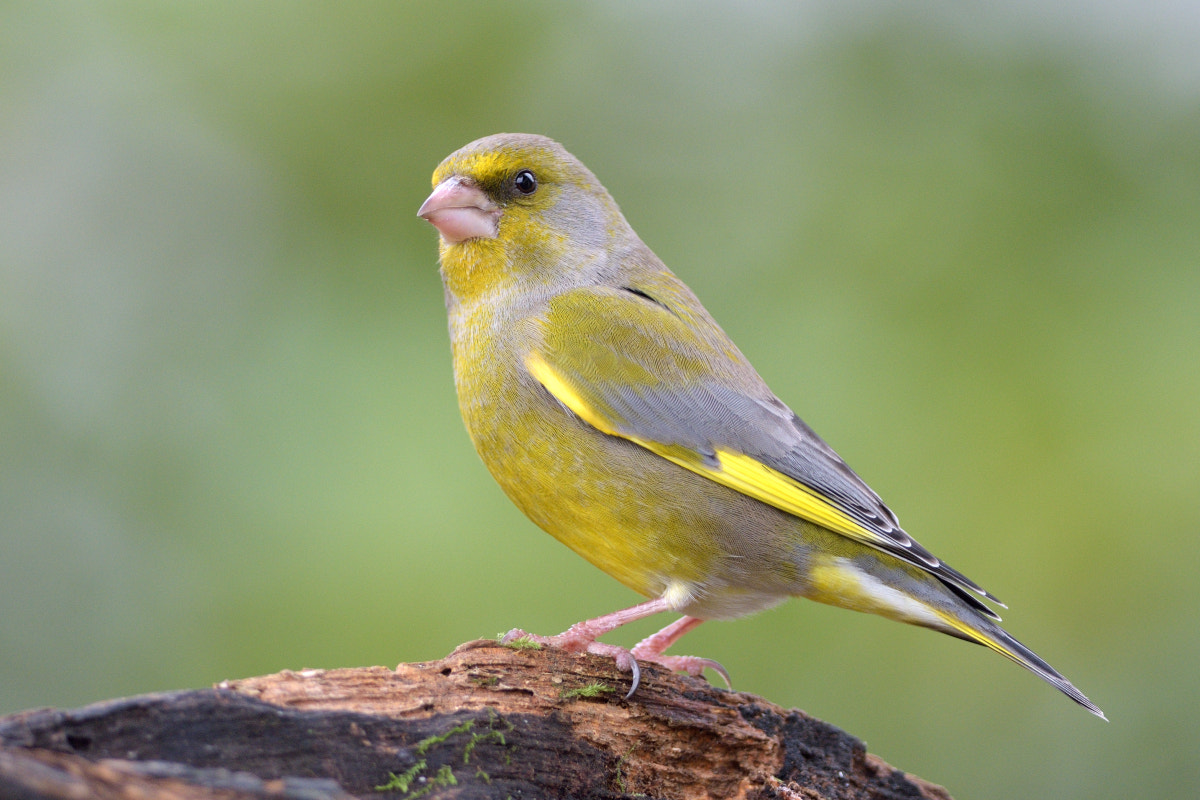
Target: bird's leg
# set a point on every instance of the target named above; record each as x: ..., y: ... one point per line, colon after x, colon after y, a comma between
x: 581, y: 637
x: 651, y: 649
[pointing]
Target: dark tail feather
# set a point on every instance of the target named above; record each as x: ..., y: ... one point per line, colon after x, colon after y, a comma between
x: 996, y: 638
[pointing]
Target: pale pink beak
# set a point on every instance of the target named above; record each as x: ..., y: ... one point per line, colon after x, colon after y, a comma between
x: 460, y: 210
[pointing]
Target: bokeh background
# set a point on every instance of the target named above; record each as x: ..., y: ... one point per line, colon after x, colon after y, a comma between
x: 962, y: 241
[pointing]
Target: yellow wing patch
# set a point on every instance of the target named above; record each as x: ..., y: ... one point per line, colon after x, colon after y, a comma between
x: 735, y: 470
x: 564, y: 393
x: 751, y: 477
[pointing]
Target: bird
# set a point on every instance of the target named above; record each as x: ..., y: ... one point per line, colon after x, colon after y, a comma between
x: 616, y: 414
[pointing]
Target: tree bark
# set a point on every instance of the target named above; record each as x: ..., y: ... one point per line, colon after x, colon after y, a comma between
x: 487, y: 721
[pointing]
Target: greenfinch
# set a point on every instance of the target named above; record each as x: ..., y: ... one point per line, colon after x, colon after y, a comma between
x: 619, y: 417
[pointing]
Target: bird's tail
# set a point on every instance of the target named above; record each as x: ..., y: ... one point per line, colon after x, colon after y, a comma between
x: 878, y: 583
x: 992, y: 636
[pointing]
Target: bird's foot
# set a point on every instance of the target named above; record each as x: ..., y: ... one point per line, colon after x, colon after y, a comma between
x: 652, y: 649
x: 577, y: 640
x: 692, y: 665
x: 581, y: 638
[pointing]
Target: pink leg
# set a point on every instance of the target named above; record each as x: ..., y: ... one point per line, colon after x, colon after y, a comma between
x: 582, y: 636
x: 583, y: 633
x: 657, y: 644
x: 652, y: 647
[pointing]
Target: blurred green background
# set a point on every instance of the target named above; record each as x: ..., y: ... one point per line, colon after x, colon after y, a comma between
x: 962, y: 242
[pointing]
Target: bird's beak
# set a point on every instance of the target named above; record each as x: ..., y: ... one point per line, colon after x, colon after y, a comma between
x: 460, y: 210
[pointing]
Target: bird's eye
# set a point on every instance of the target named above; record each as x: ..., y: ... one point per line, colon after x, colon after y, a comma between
x: 524, y: 182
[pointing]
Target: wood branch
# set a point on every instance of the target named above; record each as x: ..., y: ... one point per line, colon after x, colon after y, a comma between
x: 487, y: 721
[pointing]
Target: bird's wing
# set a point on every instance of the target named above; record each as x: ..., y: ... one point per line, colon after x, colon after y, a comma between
x: 631, y: 363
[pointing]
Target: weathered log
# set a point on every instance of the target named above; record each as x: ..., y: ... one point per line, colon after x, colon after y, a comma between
x: 487, y: 721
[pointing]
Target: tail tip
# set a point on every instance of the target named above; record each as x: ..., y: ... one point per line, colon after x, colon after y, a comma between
x: 1079, y: 697
x: 1092, y: 707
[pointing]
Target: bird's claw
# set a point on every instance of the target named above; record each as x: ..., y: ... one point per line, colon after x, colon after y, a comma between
x: 573, y: 642
x: 692, y: 665
x: 581, y: 637
x: 626, y: 662
x: 637, y: 677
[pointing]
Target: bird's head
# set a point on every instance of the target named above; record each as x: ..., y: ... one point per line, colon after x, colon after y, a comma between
x: 513, y: 204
